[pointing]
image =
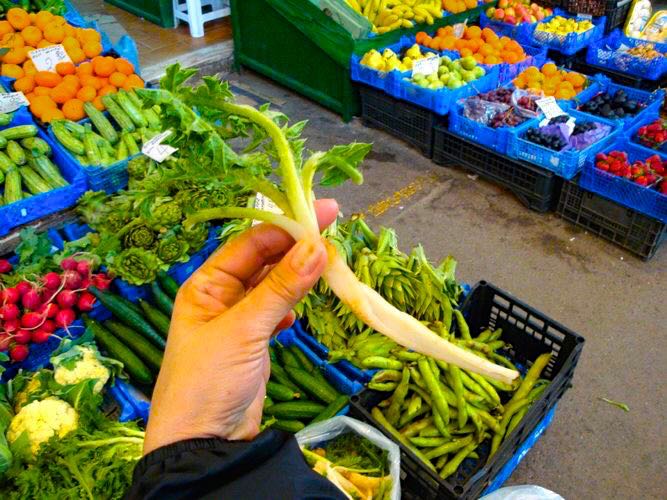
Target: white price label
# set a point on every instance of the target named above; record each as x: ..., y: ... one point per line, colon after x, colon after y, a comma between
x: 47, y: 58
x: 12, y: 101
x: 549, y: 107
x: 459, y: 29
x: 426, y: 66
x: 157, y: 151
x: 585, y: 17
x: 266, y: 204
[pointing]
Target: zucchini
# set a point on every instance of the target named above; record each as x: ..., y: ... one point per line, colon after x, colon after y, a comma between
x: 280, y: 392
x: 117, y: 350
x: 36, y: 146
x: 16, y: 153
x: 295, y: 409
x: 141, y: 346
x: 132, y: 111
x: 3, y: 142
x: 67, y: 139
x: 292, y: 426
x: 19, y: 132
x: 168, y: 284
x: 136, y: 100
x: 305, y: 363
x: 34, y: 182
x: 161, y: 299
x: 93, y: 153
x: 155, y: 317
x: 132, y: 147
x: 117, y: 113
x: 121, y: 151
x: 332, y: 410
x: 101, y: 123
x: 128, y: 315
x: 5, y: 162
x: 311, y: 385
x: 6, y: 119
x: 152, y: 118
x: 45, y: 167
x: 74, y: 128
x: 82, y: 160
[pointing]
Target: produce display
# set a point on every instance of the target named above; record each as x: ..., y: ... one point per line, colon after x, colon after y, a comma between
x: 389, y: 15
x: 552, y: 81
x: 387, y: 60
x: 653, y: 135
x: 518, y: 12
x: 483, y: 45
x: 648, y: 173
x: 450, y: 74
x: 643, y: 51
x: 558, y: 134
x: 354, y: 464
x: 642, y: 22
x: 616, y: 105
x: 65, y: 92
x: 561, y: 26
x: 502, y: 107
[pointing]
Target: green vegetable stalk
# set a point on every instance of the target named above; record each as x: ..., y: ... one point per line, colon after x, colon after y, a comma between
x: 135, y: 265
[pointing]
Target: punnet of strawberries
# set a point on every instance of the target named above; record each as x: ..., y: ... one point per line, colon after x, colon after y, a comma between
x: 33, y: 309
x: 653, y: 135
x: 648, y: 173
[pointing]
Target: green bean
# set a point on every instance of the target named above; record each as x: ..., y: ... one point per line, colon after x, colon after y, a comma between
x: 457, y: 385
x: 387, y: 376
x: 474, y: 345
x: 407, y: 356
x: 455, y: 462
x: 463, y: 326
x: 488, y: 388
x: 422, y: 392
x: 407, y: 417
x: 511, y: 408
x: 488, y: 420
x: 383, y: 386
x: 441, y: 462
x: 495, y: 335
x: 380, y: 362
x: 394, y: 411
x: 379, y: 418
x: 466, y: 429
x: 443, y: 365
x: 516, y: 418
x: 429, y: 442
x: 440, y: 423
x: 430, y: 431
x: 435, y: 369
x: 482, y: 337
x: 476, y: 421
x: 434, y: 387
x: 412, y: 409
x: 496, y: 344
x: 476, y: 399
x: 447, y: 315
x: 417, y: 378
x: 501, y: 386
x: 502, y: 360
x: 534, y: 394
x: 449, y: 447
x: 537, y: 391
x: 531, y: 377
x: 472, y: 385
x: 474, y: 455
x: 415, y: 427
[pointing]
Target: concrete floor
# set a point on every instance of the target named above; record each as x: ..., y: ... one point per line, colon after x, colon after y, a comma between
x: 592, y: 449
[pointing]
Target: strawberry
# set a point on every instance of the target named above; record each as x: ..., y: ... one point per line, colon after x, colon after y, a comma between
x: 641, y: 180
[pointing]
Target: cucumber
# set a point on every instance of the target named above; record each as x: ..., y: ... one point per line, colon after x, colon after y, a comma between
x: 311, y: 385
x: 332, y: 410
x: 6, y: 119
x: 168, y: 284
x: 36, y: 146
x: 117, y: 350
x: 161, y: 299
x: 131, y: 110
x: 156, y: 317
x: 292, y: 426
x: 5, y: 162
x: 267, y: 401
x: 19, y: 132
x: 45, y: 167
x: 141, y: 346
x: 117, y: 113
x: 280, y: 392
x: 319, y: 376
x: 280, y: 376
x: 16, y: 153
x: 131, y: 305
x: 101, y: 123
x: 128, y: 315
x: 295, y: 409
x: 287, y: 357
x: 67, y: 139
x: 305, y: 363
x: 34, y: 182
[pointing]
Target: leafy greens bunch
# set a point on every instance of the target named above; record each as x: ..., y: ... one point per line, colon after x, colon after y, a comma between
x: 275, y: 150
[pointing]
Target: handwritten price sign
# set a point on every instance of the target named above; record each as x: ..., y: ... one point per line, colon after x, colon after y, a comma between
x: 48, y: 58
x: 12, y: 101
x: 157, y: 151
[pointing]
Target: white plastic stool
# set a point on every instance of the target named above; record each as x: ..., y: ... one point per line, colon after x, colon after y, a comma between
x: 191, y: 11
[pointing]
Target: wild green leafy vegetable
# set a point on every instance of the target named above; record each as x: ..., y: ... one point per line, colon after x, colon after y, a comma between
x: 205, y: 117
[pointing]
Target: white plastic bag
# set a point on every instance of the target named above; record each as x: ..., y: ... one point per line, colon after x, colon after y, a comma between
x: 524, y: 492
x: 329, y: 429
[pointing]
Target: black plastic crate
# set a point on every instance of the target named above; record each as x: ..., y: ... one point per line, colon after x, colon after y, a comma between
x: 617, y: 77
x: 632, y: 230
x: 566, y: 61
x: 530, y: 333
x: 536, y: 187
x: 401, y: 119
x: 616, y: 15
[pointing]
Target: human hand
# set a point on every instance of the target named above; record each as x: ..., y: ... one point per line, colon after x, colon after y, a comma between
x: 216, y: 363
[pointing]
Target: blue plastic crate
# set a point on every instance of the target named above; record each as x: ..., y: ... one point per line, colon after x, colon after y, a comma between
x: 604, y: 53
x: 647, y: 201
x: 631, y: 133
x: 652, y: 100
x: 521, y: 33
x: 440, y: 101
x: 572, y: 42
x: 537, y: 56
x: 38, y: 206
x: 564, y: 163
x: 133, y: 404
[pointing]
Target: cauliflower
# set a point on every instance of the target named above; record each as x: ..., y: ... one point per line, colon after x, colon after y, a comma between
x: 78, y: 364
x: 42, y: 420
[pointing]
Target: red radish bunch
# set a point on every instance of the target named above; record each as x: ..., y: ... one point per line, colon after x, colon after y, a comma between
x: 31, y: 312
x: 644, y: 173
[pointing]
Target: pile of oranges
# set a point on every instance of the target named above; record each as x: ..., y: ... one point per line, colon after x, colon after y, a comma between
x: 552, y: 81
x: 22, y: 33
x: 458, y: 6
x: 62, y: 94
x: 482, y: 44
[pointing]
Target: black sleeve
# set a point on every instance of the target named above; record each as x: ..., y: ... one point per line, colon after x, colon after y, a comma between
x: 269, y: 467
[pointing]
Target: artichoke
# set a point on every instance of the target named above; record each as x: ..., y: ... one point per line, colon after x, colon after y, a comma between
x: 135, y: 265
x: 172, y: 249
x: 196, y: 236
x: 138, y: 167
x: 138, y: 235
x: 164, y: 212
x: 93, y: 207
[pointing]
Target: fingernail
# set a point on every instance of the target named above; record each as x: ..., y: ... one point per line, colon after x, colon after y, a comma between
x: 305, y: 257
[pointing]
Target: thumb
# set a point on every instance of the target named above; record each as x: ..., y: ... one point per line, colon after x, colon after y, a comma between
x: 287, y: 283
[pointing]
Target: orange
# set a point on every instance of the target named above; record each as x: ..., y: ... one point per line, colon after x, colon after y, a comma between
x: 15, y: 56
x: 18, y: 18
x: 25, y: 84
x: 104, y: 66
x: 117, y: 79
x: 47, y: 79
x: 65, y: 68
x: 62, y: 93
x: 84, y: 69
x: 465, y: 52
x: 12, y: 41
x: 88, y: 35
x: 133, y: 81
x: 40, y: 104
x: 92, y: 49
x: 51, y: 114
x: 73, y: 110
x: 43, y: 18
x: 12, y: 71
x: 44, y: 43
x: 549, y: 69
x: 91, y: 81
x: 40, y: 91
x: 107, y: 89
x: 72, y: 81
x: 473, y: 32
x: 5, y: 28
x: 86, y: 93
x: 97, y: 102
x: 29, y: 67
x: 69, y: 42
x: 31, y: 35
x: 126, y: 67
x: 76, y: 55
x: 54, y: 33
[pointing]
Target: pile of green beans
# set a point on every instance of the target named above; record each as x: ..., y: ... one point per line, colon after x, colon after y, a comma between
x: 442, y: 413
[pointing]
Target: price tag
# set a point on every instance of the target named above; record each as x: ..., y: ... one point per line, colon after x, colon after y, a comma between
x: 585, y: 17
x: 157, y: 151
x: 266, y: 204
x: 47, y: 58
x: 549, y: 107
x: 12, y: 101
x: 459, y: 28
x: 426, y: 66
